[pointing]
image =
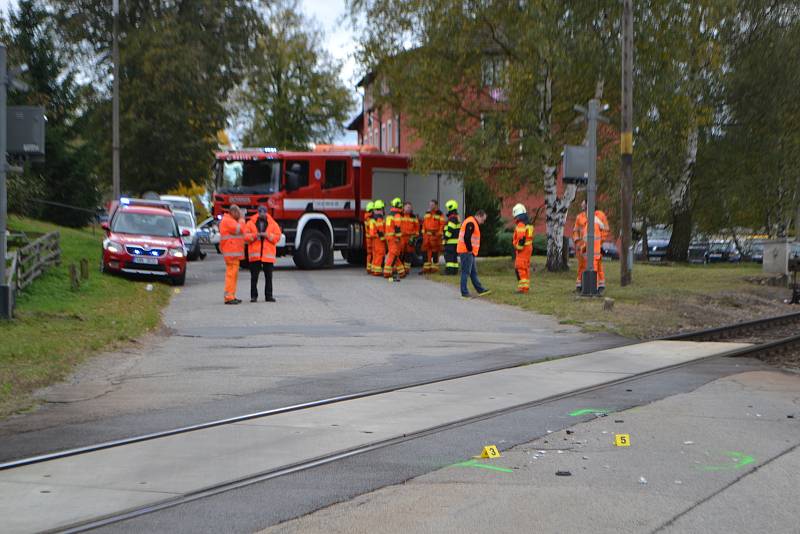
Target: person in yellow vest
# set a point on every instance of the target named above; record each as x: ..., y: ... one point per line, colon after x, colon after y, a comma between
x: 263, y: 233
x: 450, y: 238
x: 368, y: 222
x: 469, y: 243
x: 393, y: 268
x: 232, y: 236
x: 378, y: 238
x: 523, y: 248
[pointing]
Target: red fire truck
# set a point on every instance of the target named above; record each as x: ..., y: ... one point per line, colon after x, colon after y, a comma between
x: 319, y: 197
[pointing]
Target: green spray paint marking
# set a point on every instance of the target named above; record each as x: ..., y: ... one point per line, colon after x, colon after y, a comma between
x: 740, y: 460
x: 587, y: 411
x: 475, y: 463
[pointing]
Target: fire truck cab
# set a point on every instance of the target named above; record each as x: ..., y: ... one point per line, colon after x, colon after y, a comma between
x: 319, y: 197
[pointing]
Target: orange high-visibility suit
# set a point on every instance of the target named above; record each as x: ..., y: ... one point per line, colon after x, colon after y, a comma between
x: 394, y: 237
x: 263, y: 249
x: 580, y: 233
x: 410, y: 229
x: 523, y: 248
x: 368, y: 222
x: 232, y: 236
x: 432, y: 229
x: 377, y: 227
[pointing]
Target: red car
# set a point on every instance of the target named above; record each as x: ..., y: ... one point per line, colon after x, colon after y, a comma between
x: 142, y: 238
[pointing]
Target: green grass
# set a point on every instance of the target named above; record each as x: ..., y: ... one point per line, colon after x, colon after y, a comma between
x: 56, y: 328
x: 663, y: 298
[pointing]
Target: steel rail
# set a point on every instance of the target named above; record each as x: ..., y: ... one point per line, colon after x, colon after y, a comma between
x: 210, y: 491
x: 722, y: 332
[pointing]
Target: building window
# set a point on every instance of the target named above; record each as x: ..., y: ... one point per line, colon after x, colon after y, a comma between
x: 299, y: 169
x: 335, y: 173
x: 389, y: 136
x: 383, y: 137
x: 493, y: 71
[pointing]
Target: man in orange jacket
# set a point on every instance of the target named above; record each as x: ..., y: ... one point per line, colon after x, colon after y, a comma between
x: 410, y: 229
x: 378, y: 229
x: 469, y: 243
x: 580, y: 233
x: 368, y: 233
x: 263, y: 232
x: 232, y: 235
x: 393, y: 269
x: 523, y: 247
x: 432, y: 229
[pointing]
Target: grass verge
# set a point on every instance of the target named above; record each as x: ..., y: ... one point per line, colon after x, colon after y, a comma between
x: 663, y: 299
x: 55, y: 328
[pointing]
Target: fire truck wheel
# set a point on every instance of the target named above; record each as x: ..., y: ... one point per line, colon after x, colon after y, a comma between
x: 314, y: 250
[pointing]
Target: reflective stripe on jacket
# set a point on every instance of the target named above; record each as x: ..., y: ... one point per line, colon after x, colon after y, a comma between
x: 232, y: 235
x: 263, y: 249
x: 475, y: 238
x: 523, y: 238
x: 451, y: 230
x: 433, y: 223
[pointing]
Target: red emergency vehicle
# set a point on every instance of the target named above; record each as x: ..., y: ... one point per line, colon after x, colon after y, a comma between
x: 318, y: 197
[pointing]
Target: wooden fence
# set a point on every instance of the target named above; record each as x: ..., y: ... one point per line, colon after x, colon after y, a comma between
x: 30, y: 261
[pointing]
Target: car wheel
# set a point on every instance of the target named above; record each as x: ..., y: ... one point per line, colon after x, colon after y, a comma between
x: 179, y: 280
x: 314, y: 250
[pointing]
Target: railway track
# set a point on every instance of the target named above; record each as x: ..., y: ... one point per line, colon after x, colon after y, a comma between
x: 770, y: 331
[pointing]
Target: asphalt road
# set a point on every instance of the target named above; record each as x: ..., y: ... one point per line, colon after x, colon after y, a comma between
x: 331, y: 332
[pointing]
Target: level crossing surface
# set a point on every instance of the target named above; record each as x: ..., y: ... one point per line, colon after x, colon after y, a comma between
x: 83, y: 487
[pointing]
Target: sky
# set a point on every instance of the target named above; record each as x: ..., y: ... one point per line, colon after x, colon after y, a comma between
x: 339, y: 41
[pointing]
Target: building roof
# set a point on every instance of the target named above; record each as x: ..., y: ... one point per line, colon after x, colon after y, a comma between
x: 356, y: 123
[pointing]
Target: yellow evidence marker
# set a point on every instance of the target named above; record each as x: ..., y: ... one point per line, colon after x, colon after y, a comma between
x: 622, y: 440
x: 489, y: 451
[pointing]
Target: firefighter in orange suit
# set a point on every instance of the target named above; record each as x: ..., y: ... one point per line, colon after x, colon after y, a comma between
x: 393, y: 268
x: 580, y: 233
x: 410, y: 229
x: 368, y: 222
x: 263, y: 233
x: 432, y: 229
x: 523, y: 248
x: 232, y: 236
x: 378, y: 228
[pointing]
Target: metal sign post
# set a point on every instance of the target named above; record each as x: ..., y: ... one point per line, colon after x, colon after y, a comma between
x: 592, y: 115
x: 5, y: 289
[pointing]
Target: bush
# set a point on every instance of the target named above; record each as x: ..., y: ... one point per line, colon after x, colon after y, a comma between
x: 503, y: 246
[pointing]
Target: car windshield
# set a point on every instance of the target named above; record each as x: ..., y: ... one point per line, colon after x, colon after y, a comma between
x: 719, y: 247
x: 257, y: 177
x: 145, y: 224
x: 184, y: 219
x: 183, y: 205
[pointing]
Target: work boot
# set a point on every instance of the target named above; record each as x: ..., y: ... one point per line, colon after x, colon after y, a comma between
x: 270, y: 299
x: 601, y: 290
x: 485, y: 292
x: 253, y: 299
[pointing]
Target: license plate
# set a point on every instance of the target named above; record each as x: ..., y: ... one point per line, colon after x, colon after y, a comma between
x: 240, y: 200
x: 146, y: 261
x: 655, y: 258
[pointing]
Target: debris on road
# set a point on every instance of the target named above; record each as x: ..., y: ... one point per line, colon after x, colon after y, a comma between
x: 563, y: 474
x: 642, y: 480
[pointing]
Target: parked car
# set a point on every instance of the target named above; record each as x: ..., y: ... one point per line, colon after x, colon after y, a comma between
x: 609, y: 250
x: 756, y: 252
x: 794, y: 251
x: 208, y: 233
x: 143, y: 239
x: 179, y: 203
x: 657, y: 244
x: 698, y: 252
x: 723, y: 251
x: 192, y: 241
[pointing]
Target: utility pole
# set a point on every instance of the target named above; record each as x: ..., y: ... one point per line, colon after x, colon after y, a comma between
x: 626, y: 143
x: 115, y: 178
x: 5, y: 289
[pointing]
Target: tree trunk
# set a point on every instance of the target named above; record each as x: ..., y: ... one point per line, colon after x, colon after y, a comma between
x: 681, y: 202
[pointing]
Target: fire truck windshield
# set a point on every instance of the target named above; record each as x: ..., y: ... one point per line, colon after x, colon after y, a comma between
x: 260, y: 177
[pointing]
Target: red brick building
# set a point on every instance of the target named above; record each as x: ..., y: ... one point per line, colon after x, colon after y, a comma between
x: 385, y: 129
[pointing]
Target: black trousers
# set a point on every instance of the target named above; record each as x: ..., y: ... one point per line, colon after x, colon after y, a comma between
x: 450, y: 259
x: 255, y: 268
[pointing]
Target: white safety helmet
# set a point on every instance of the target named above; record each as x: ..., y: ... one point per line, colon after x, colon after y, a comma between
x: 518, y: 210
